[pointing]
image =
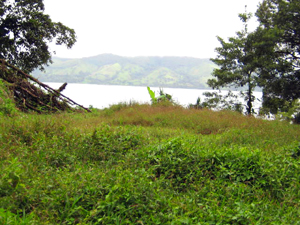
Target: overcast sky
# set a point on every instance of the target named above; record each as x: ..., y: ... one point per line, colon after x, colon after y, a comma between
x: 148, y: 27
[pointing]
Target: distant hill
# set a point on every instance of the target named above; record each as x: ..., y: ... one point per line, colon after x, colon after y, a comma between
x: 180, y: 72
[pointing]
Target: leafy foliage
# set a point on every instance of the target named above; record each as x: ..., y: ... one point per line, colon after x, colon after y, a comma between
x: 25, y: 32
x: 237, y: 66
x: 267, y: 57
x: 7, y: 106
x: 217, y: 101
x: 76, y: 168
x: 152, y: 94
x: 163, y: 97
x: 278, y: 53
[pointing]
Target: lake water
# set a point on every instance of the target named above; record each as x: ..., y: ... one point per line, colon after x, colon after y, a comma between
x: 102, y: 96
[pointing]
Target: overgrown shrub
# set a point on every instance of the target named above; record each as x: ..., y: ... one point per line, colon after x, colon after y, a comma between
x: 185, y: 162
x: 107, y: 143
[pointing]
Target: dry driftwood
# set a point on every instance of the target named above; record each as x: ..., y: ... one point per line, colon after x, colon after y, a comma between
x: 29, y: 96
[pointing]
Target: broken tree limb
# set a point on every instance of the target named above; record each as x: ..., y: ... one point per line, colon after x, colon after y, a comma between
x: 56, y: 93
x: 62, y: 87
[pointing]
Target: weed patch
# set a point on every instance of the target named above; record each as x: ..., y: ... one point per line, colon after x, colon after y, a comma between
x: 107, y: 143
x: 185, y: 163
x: 163, y: 165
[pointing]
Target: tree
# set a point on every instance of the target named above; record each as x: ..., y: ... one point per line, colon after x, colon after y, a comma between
x: 237, y: 64
x: 25, y: 32
x: 279, y: 53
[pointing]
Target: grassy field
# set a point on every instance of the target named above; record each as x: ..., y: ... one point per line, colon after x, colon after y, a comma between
x: 142, y: 164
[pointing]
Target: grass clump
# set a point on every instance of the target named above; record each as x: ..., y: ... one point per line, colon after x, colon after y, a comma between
x: 7, y: 106
x: 142, y: 164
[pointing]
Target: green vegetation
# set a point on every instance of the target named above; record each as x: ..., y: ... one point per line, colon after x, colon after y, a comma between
x: 110, y: 69
x: 268, y: 58
x: 143, y: 164
x: 237, y: 65
x: 150, y: 164
x: 163, y: 97
x: 25, y: 32
x: 21, y: 91
x: 277, y: 48
x: 7, y: 105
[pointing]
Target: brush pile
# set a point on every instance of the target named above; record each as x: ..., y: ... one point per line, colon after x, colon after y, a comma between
x: 33, y: 95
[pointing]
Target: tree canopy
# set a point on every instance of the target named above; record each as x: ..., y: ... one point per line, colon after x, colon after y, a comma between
x: 236, y: 61
x: 25, y: 32
x: 268, y: 57
x: 278, y: 49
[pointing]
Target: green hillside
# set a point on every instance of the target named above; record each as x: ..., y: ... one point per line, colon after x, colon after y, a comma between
x: 184, y: 72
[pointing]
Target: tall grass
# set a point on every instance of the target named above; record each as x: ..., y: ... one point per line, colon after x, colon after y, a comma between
x: 142, y: 164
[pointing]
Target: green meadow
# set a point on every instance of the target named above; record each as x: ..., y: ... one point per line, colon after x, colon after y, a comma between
x: 142, y: 164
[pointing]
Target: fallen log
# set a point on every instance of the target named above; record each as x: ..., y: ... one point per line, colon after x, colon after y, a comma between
x: 27, y: 91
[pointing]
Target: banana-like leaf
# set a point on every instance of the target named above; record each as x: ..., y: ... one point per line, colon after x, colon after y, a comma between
x: 152, y: 94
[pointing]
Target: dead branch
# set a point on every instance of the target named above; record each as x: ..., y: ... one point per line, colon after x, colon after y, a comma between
x: 28, y: 92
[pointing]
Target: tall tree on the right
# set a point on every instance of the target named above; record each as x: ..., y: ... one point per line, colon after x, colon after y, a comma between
x: 279, y: 52
x: 237, y: 66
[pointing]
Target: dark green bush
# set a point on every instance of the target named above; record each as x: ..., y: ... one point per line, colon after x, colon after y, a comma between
x: 106, y: 142
x: 184, y: 163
